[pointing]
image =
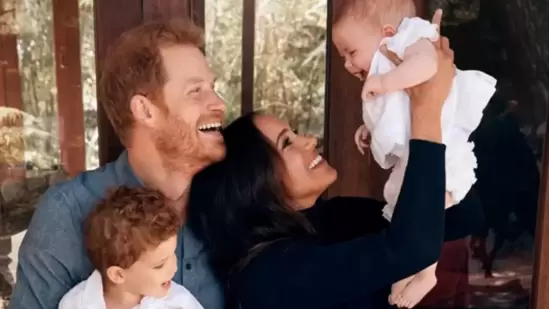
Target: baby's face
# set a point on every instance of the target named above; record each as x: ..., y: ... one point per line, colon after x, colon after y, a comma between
x: 356, y: 41
x: 151, y: 275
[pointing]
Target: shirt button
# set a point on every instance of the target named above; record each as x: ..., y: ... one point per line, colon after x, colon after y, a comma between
x: 188, y: 266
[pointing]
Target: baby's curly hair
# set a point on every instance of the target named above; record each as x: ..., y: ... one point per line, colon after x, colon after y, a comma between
x: 379, y: 12
x: 126, y: 223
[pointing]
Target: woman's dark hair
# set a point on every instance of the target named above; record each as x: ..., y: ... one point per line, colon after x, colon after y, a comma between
x: 238, y: 206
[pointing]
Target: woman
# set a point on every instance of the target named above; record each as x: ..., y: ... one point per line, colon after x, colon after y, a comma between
x: 254, y: 211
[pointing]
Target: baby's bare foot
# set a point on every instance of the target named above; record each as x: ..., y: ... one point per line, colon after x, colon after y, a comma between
x: 397, y: 288
x: 415, y: 291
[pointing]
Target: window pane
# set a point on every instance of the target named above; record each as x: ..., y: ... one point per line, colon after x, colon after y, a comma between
x: 35, y: 52
x: 493, y: 269
x: 290, y: 62
x: 223, y: 28
x: 89, y: 92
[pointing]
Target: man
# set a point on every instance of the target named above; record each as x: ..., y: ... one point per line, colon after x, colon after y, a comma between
x: 158, y: 93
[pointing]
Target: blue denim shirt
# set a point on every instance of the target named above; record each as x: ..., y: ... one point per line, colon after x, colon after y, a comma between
x: 52, y: 257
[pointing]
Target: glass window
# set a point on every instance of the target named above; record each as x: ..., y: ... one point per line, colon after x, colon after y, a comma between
x: 31, y: 128
x: 290, y: 62
x: 223, y: 29
x: 493, y: 268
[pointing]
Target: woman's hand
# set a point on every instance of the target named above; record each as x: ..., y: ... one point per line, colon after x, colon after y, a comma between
x: 434, y: 92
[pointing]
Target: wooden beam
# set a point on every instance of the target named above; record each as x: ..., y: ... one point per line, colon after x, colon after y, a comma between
x: 11, y: 78
x: 198, y: 12
x: 540, y: 281
x: 422, y: 8
x: 3, y: 87
x: 248, y: 50
x: 165, y: 9
x: 3, y: 62
x: 358, y: 175
x: 69, y: 85
x: 110, y: 23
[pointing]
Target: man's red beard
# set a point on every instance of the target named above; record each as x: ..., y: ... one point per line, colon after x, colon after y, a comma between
x: 179, y: 146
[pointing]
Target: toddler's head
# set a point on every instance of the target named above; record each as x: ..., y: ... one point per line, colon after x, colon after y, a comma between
x: 360, y: 25
x: 131, y: 238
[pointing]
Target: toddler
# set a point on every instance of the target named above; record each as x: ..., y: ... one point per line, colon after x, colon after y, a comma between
x: 131, y: 238
x: 360, y: 28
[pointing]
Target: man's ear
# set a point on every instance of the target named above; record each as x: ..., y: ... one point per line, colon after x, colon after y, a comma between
x: 388, y: 30
x: 115, y: 274
x: 143, y: 110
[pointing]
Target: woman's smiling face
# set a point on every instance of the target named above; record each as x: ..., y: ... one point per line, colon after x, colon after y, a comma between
x: 306, y: 175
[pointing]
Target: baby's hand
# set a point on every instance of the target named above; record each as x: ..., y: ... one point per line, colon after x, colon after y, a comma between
x: 372, y: 87
x: 361, y: 138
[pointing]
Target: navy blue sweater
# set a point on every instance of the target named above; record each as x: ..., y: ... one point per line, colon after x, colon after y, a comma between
x: 356, y: 254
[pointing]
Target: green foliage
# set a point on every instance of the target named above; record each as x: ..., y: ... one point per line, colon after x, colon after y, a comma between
x: 290, y: 58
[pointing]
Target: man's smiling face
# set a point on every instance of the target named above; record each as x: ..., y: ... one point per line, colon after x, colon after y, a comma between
x: 189, y: 132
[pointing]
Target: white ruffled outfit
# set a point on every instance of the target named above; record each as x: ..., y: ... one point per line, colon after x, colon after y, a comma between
x: 388, y: 118
x: 88, y: 294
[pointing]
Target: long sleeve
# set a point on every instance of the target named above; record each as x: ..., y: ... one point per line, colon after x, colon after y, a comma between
x: 465, y: 218
x: 344, y: 218
x: 50, y: 259
x: 293, y: 273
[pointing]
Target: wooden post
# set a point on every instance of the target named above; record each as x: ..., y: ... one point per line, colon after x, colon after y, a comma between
x: 110, y: 22
x: 109, y: 25
x: 3, y: 88
x: 9, y: 65
x: 358, y: 175
x: 421, y: 8
x: 69, y: 84
x: 540, y: 282
x: 165, y: 9
x: 248, y: 59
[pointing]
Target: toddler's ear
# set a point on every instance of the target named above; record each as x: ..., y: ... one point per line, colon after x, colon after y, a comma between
x: 388, y: 30
x: 115, y: 274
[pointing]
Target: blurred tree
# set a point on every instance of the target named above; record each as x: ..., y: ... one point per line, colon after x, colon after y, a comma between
x: 290, y: 58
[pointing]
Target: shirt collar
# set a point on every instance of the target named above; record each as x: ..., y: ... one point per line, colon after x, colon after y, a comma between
x: 124, y: 171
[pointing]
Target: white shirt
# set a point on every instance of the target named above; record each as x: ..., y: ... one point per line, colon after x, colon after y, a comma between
x: 88, y: 294
x: 387, y: 118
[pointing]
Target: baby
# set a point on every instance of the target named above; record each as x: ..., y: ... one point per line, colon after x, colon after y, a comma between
x: 131, y: 238
x: 360, y: 27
